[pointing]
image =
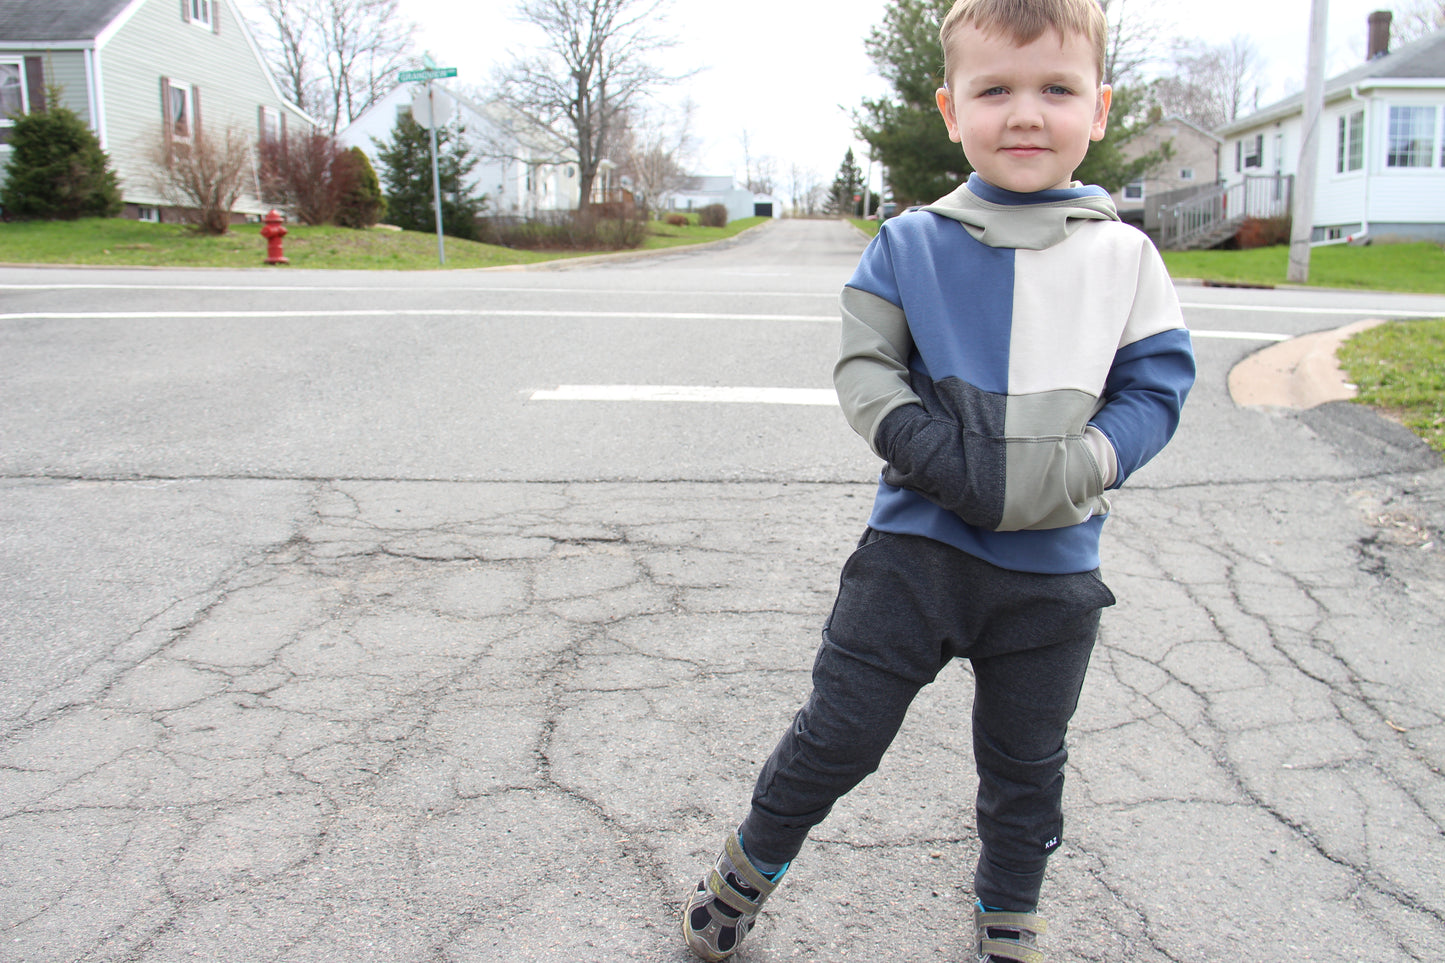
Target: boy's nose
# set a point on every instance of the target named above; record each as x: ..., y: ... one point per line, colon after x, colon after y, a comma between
x: 1025, y: 114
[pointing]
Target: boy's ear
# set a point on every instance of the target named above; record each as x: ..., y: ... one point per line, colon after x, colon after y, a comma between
x: 945, y: 107
x: 1101, y: 112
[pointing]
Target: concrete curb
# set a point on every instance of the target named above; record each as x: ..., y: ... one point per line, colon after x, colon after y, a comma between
x: 1299, y: 373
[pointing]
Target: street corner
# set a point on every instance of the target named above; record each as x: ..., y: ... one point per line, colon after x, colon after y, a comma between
x: 1300, y: 373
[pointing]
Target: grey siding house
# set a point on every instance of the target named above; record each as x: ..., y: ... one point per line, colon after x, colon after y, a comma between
x: 140, y: 72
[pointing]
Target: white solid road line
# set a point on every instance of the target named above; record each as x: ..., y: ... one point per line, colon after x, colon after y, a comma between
x: 717, y: 395
x: 405, y: 313
x: 1238, y: 335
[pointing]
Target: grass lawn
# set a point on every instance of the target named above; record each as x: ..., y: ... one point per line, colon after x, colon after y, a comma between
x: 1417, y: 267
x: 117, y: 242
x: 662, y: 235
x: 867, y: 226
x: 1400, y: 369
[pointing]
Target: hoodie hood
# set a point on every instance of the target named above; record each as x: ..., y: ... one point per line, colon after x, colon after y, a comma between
x: 1030, y: 222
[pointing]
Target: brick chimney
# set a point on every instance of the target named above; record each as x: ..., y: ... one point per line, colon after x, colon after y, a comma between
x: 1379, y: 41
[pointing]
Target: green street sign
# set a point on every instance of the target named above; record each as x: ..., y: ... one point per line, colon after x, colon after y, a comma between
x: 436, y: 74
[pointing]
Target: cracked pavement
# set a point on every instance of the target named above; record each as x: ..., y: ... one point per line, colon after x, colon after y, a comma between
x: 250, y: 715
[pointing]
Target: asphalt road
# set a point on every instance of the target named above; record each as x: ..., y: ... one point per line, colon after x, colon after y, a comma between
x: 340, y: 621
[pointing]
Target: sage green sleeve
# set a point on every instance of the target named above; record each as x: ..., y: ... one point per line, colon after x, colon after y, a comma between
x: 871, y: 376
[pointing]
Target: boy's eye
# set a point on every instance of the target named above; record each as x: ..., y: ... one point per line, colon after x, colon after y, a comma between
x: 1058, y: 89
x: 993, y: 92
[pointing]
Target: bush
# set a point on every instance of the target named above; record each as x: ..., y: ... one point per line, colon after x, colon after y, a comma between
x: 57, y: 170
x: 304, y: 176
x: 203, y: 178
x: 677, y: 220
x: 714, y: 215
x: 564, y: 231
x: 1262, y: 232
x: 361, y: 203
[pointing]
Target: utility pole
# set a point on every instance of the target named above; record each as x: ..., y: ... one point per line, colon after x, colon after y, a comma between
x: 867, y: 179
x: 1309, y: 153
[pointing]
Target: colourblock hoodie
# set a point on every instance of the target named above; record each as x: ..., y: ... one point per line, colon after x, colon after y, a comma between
x: 1011, y: 357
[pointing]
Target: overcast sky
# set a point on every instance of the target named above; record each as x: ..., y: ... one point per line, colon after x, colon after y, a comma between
x: 789, y: 72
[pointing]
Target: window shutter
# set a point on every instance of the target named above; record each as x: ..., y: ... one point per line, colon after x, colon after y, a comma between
x: 35, y: 84
x: 195, y: 114
x: 216, y: 16
x: 168, y: 132
x: 166, y: 109
x: 186, y: 10
x: 34, y: 81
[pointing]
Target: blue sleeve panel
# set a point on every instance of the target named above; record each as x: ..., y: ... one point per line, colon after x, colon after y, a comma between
x: 1143, y: 395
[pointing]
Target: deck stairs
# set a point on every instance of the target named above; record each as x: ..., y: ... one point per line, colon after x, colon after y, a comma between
x: 1212, y: 215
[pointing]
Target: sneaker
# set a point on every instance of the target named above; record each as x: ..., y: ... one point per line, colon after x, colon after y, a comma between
x: 1007, y: 937
x: 719, y: 913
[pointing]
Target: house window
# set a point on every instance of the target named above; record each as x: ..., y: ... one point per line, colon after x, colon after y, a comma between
x: 1134, y: 191
x: 1411, y: 137
x: 1186, y: 173
x: 1350, y: 151
x: 151, y: 214
x: 180, y: 111
x: 12, y: 90
x: 270, y: 126
x: 198, y: 12
x: 1254, y: 152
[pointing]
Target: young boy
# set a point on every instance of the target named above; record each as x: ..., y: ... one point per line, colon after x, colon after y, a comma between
x: 1012, y: 352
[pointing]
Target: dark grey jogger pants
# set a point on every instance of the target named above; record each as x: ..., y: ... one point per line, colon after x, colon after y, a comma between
x: 906, y: 607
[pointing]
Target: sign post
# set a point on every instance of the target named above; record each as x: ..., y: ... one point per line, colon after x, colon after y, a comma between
x: 433, y: 108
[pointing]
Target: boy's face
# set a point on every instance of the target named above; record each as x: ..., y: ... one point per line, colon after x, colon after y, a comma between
x: 1025, y: 115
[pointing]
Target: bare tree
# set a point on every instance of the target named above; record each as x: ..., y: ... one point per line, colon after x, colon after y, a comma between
x: 1416, y: 19
x: 1134, y: 29
x: 654, y: 151
x: 576, y: 90
x: 288, y: 47
x: 335, y: 58
x: 759, y: 172
x: 806, y: 193
x: 1211, y: 85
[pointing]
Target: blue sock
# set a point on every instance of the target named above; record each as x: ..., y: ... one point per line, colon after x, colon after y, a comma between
x: 773, y: 871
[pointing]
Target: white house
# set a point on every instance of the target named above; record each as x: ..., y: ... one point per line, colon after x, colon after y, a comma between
x: 138, y: 71
x: 700, y: 192
x: 512, y: 185
x: 1381, y: 166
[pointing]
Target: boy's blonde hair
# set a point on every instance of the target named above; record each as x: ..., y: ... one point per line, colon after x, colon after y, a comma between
x: 1024, y: 21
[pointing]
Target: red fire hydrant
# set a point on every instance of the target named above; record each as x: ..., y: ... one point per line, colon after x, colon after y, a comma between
x: 273, y: 232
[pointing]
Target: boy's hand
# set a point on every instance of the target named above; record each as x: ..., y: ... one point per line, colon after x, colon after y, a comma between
x: 930, y: 455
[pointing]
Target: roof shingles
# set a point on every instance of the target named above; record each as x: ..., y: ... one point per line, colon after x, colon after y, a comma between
x: 56, y: 21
